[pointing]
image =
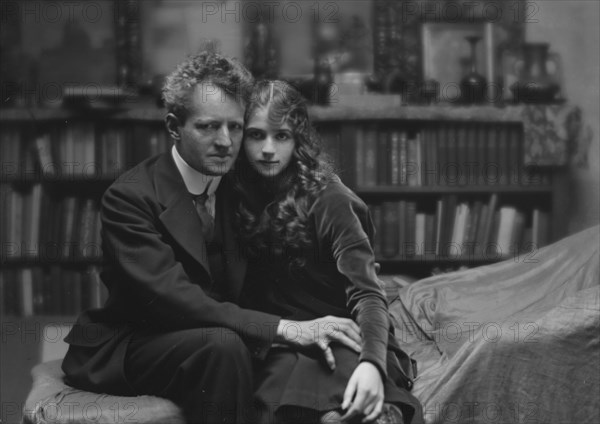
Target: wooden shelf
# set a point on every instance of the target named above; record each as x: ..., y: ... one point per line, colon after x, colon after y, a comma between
x: 37, y: 114
x: 384, y: 110
x: 59, y: 180
x: 44, y: 261
x: 41, y: 321
x: 437, y: 259
x: 397, y: 190
x: 363, y: 108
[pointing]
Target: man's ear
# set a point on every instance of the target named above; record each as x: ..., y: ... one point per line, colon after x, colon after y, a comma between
x: 173, y: 123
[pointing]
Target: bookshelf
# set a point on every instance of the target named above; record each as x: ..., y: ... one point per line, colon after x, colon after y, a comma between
x: 56, y: 164
x: 402, y: 160
x: 453, y: 186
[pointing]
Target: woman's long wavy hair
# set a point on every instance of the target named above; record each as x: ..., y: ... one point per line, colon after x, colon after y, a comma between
x: 281, y: 224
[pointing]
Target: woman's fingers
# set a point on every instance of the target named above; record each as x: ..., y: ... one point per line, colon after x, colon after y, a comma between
x: 349, y: 393
x: 374, y: 413
x: 368, y: 410
x: 357, y: 407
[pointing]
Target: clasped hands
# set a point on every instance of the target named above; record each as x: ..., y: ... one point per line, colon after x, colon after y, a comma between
x: 364, y: 392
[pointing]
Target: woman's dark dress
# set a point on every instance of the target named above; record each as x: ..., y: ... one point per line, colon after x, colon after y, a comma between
x: 337, y: 279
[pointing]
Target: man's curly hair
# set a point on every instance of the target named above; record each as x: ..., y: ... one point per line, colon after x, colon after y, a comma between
x: 284, y: 221
x: 223, y: 72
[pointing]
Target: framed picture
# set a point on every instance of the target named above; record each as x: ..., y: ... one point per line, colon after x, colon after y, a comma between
x: 172, y: 30
x: 398, y: 28
x: 453, y: 50
x: 338, y: 32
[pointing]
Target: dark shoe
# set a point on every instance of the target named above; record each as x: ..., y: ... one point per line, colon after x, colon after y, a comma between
x: 331, y: 417
x: 390, y: 414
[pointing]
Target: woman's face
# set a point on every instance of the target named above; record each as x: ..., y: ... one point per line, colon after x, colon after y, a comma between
x: 269, y: 148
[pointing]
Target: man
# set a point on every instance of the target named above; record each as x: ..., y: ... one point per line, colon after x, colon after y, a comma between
x: 171, y: 326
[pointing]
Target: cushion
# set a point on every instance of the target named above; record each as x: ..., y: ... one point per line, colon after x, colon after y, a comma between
x: 52, y: 401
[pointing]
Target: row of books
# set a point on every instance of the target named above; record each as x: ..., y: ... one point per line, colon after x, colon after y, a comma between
x: 78, y: 150
x: 470, y: 230
x: 38, y: 225
x: 445, y: 154
x: 50, y: 291
x: 441, y: 155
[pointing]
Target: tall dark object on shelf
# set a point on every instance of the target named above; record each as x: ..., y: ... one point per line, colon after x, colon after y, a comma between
x: 262, y: 53
x: 473, y: 85
x: 396, y: 50
x: 14, y: 63
x: 128, y: 35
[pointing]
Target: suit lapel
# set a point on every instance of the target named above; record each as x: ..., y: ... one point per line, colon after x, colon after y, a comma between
x: 235, y: 262
x: 179, y: 216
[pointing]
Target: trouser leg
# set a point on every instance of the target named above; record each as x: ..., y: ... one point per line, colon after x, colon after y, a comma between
x: 208, y: 371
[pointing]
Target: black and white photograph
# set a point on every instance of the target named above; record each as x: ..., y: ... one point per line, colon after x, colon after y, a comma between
x: 299, y: 212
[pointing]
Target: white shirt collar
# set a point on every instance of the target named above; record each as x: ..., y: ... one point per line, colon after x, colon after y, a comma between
x: 195, y: 181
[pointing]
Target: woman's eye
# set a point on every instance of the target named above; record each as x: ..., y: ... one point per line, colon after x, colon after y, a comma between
x: 255, y: 135
x: 283, y: 136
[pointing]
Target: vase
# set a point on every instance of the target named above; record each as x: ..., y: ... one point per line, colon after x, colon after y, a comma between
x: 535, y: 84
x: 473, y: 85
x: 323, y: 80
x: 262, y: 55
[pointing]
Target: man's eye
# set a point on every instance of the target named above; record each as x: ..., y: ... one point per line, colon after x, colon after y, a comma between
x: 235, y: 127
x: 211, y: 126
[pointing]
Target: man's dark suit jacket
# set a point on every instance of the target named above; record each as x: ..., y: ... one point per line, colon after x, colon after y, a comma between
x: 156, y: 269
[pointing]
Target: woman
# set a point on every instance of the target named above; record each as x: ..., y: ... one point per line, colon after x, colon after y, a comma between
x: 307, y: 238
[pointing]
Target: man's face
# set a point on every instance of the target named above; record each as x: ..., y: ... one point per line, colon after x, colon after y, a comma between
x: 210, y: 138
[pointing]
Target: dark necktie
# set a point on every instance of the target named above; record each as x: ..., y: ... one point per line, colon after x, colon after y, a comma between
x: 208, y: 223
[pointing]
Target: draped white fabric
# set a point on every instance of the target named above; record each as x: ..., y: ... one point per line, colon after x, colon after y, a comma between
x: 517, y: 341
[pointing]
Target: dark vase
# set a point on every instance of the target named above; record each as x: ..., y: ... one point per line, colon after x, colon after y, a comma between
x: 473, y: 85
x: 322, y: 82
x: 262, y: 55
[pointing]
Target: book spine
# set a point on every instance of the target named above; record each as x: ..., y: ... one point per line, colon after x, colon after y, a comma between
x: 403, y: 155
x: 420, y: 233
x: 371, y: 156
x: 412, y: 167
x: 383, y: 158
x: 410, y: 229
x: 394, y: 157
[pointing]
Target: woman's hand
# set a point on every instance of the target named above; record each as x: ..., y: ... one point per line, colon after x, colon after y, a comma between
x: 364, y: 393
x: 320, y: 332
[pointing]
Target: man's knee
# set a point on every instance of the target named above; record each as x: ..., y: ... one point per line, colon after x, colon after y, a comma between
x: 227, y: 345
x: 204, y: 344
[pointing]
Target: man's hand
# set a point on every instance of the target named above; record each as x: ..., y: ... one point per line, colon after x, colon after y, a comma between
x: 320, y: 332
x: 364, y: 394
